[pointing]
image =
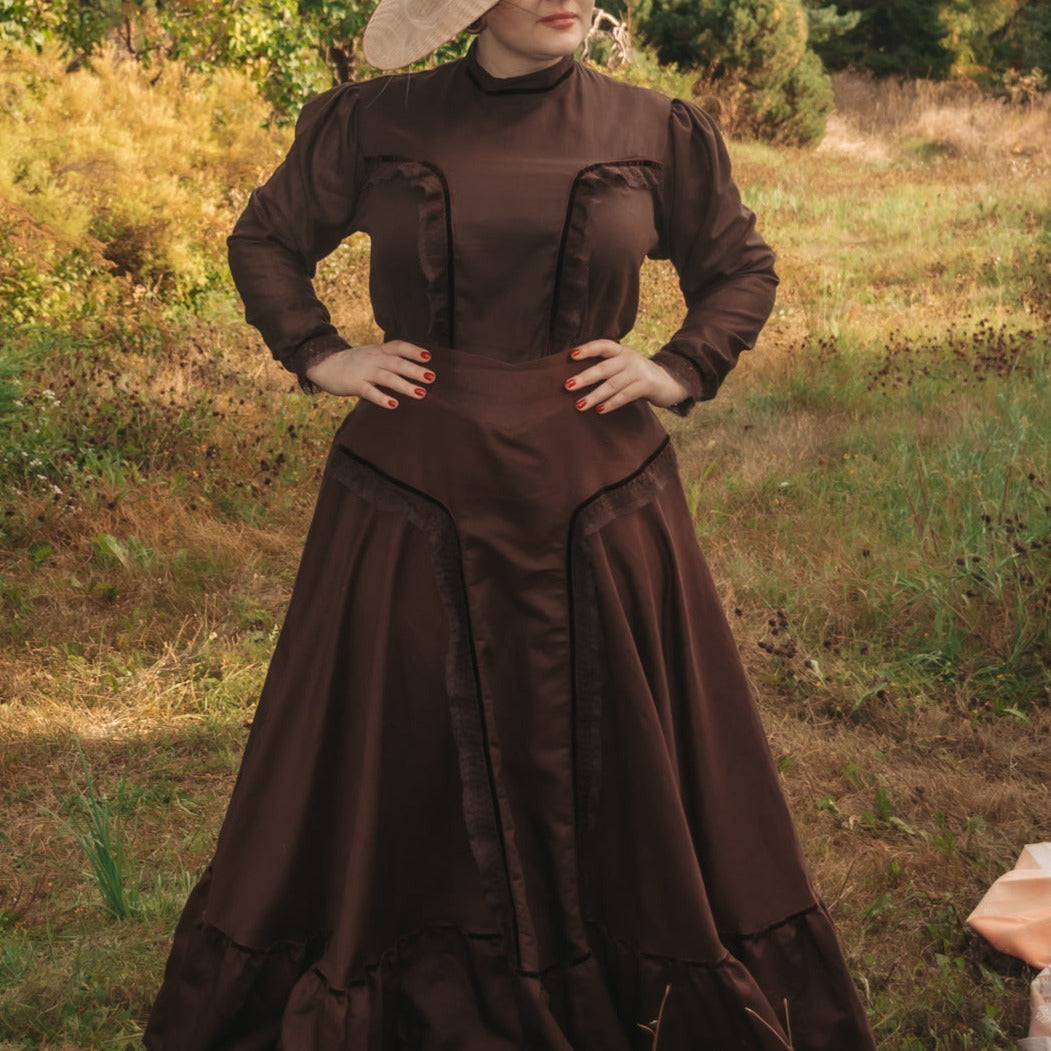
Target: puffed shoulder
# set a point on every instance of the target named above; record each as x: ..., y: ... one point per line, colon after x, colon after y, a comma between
x: 698, y: 176
x: 333, y: 113
x: 694, y: 136
x: 687, y: 116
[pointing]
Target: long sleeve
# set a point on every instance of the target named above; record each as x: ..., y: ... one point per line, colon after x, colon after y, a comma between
x: 726, y: 270
x: 297, y: 217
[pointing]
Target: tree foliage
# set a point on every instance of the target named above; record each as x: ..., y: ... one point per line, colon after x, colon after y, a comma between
x: 1023, y: 42
x: 753, y: 57
x: 826, y: 22
x: 892, y: 36
x: 759, y: 63
x: 291, y: 48
x: 984, y: 39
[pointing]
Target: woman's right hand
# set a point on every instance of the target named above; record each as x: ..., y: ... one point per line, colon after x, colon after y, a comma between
x: 359, y: 371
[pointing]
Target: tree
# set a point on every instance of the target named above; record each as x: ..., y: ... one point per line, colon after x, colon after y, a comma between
x: 1024, y: 43
x: 892, y: 36
x: 291, y: 48
x: 754, y: 57
x: 825, y: 22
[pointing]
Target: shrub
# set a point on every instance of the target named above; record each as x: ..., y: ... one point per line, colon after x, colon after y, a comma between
x: 758, y: 74
x: 1024, y: 41
x: 892, y: 36
x: 289, y: 49
x: 117, y: 190
x: 146, y: 169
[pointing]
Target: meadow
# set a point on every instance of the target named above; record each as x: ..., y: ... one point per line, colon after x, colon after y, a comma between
x: 872, y: 488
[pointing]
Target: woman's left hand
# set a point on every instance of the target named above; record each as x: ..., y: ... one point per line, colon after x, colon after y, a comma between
x: 623, y: 375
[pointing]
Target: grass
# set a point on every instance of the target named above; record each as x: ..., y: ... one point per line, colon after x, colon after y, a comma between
x: 96, y: 823
x: 871, y: 487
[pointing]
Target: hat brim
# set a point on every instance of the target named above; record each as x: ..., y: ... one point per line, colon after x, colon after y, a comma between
x: 401, y: 32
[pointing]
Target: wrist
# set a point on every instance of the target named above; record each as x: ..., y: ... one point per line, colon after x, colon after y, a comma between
x: 671, y: 390
x: 683, y: 372
x: 310, y: 354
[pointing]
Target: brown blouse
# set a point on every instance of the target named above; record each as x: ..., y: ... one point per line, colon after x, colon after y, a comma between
x: 507, y: 217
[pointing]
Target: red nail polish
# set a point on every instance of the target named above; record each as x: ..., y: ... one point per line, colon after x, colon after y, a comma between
x: 420, y: 392
x: 428, y: 376
x: 582, y: 403
x: 575, y: 352
x: 425, y: 354
x: 570, y: 384
x: 392, y: 403
x: 600, y: 408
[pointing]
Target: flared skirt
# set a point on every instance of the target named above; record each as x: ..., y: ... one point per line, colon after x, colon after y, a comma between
x: 506, y: 786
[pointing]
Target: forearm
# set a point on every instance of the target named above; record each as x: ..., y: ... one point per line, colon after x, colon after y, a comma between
x: 280, y: 301
x: 720, y: 323
x: 299, y: 216
x: 726, y: 269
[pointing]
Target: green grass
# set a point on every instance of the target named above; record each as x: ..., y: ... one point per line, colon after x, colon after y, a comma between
x: 871, y: 488
x: 940, y: 509
x: 97, y: 824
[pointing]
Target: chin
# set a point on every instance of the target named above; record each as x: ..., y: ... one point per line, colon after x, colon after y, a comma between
x: 557, y: 48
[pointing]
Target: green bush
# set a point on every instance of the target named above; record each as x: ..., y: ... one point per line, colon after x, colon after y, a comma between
x: 146, y: 175
x: 117, y: 191
x: 285, y: 46
x: 893, y: 36
x: 758, y: 75
x: 1023, y: 43
x: 290, y: 49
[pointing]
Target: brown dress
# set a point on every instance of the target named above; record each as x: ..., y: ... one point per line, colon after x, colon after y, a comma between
x: 506, y: 786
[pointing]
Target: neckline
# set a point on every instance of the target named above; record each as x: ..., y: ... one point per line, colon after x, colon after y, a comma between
x: 525, y: 84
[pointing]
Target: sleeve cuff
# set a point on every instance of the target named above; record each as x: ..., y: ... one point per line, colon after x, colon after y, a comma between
x: 682, y: 369
x: 309, y: 353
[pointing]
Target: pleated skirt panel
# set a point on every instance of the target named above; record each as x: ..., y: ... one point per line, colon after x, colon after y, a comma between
x: 506, y: 785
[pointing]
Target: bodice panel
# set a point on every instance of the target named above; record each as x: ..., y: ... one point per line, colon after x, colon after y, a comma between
x: 507, y: 217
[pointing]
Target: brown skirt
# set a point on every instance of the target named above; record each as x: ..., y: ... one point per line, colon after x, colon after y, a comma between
x: 506, y: 786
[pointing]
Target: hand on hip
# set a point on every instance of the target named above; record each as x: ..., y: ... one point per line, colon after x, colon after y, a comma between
x: 361, y: 371
x: 622, y: 375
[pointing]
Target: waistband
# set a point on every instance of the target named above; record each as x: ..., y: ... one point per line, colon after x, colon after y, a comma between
x: 490, y: 430
x: 467, y: 372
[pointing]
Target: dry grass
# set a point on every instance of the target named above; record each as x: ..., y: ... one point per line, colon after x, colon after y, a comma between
x: 876, y: 119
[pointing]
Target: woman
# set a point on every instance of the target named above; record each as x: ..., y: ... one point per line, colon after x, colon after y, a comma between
x: 506, y: 786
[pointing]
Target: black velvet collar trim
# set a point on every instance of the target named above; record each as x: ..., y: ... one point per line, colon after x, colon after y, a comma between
x: 526, y: 84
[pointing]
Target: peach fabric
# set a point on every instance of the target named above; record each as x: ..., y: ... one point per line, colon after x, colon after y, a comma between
x: 1015, y: 914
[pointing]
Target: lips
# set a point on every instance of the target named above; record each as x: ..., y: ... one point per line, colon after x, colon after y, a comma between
x: 560, y: 18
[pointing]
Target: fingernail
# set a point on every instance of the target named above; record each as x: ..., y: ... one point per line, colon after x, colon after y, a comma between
x: 420, y: 392
x: 425, y: 354
x: 570, y: 384
x: 392, y: 403
x: 600, y: 408
x: 428, y: 376
x: 582, y: 403
x: 575, y: 352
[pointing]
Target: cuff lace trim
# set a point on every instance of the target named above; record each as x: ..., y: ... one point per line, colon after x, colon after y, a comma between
x: 683, y: 369
x: 310, y: 353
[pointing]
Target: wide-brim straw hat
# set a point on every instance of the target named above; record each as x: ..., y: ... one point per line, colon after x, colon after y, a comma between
x: 402, y: 31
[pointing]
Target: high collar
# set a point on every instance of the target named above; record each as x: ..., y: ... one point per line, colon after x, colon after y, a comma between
x: 526, y: 84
